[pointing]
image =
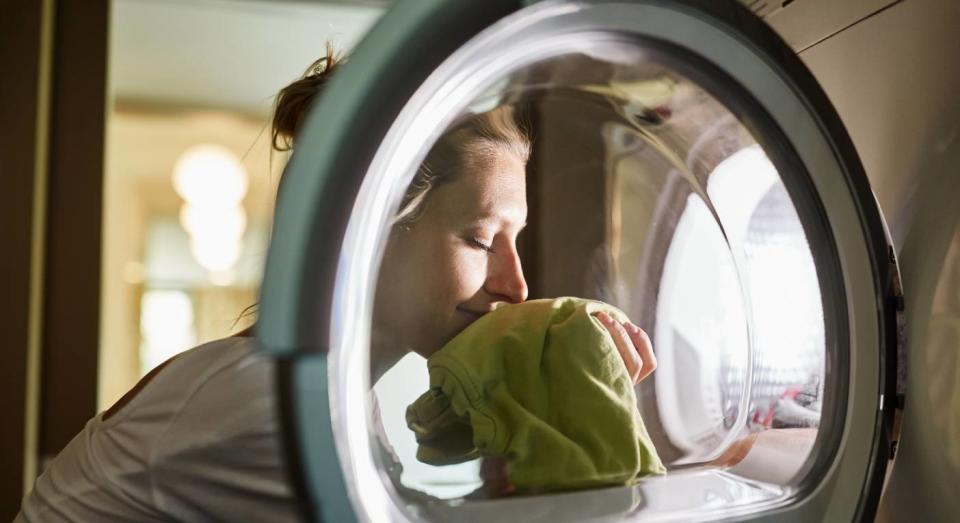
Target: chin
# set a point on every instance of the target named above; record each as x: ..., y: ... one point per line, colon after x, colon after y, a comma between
x: 427, y: 345
x: 429, y: 348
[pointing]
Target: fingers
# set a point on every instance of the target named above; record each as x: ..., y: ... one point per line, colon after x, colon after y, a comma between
x: 621, y: 338
x: 496, y: 482
x: 643, y: 346
x: 634, y: 346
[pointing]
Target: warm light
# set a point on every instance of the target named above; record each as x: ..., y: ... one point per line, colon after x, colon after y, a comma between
x: 166, y: 326
x: 223, y: 278
x: 202, y: 222
x: 210, y: 174
x: 215, y: 253
x: 212, y: 183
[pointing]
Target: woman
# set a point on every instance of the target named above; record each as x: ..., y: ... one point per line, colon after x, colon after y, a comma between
x: 198, y: 437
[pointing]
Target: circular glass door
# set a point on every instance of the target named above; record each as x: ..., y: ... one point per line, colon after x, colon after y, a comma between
x: 670, y: 160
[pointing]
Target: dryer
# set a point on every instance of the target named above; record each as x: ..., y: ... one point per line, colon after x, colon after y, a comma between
x: 690, y: 169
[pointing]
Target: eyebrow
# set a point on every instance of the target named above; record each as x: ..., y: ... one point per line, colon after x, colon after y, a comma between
x: 490, y: 217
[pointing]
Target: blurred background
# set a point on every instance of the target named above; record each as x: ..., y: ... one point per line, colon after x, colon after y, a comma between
x: 136, y: 227
x: 190, y: 176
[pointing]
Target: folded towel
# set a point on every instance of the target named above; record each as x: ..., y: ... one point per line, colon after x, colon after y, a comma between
x: 542, y: 385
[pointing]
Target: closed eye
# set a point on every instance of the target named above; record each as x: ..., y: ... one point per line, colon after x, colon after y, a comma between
x: 479, y: 244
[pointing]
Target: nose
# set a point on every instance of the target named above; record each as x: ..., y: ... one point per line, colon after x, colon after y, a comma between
x: 505, y: 281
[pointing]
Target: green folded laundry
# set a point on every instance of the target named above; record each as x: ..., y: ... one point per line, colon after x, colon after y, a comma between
x: 542, y: 385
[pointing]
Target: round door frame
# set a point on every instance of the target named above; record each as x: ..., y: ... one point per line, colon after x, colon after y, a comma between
x: 305, y: 261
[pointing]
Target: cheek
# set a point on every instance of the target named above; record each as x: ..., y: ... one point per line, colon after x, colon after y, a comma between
x: 462, y: 271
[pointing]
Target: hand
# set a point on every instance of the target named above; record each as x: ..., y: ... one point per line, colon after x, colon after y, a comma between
x: 496, y: 484
x: 633, y: 344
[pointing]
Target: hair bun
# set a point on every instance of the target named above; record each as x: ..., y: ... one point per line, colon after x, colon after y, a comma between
x: 294, y: 100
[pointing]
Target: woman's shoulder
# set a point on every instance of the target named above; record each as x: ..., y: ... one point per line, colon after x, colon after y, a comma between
x: 226, y: 374
x: 220, y: 426
x: 202, y: 418
x: 224, y: 437
x: 175, y: 382
x: 217, y: 354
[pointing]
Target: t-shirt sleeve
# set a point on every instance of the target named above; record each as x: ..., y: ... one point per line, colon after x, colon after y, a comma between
x: 221, y: 458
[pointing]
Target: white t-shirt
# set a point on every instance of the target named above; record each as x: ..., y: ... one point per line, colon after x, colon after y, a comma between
x: 199, y: 442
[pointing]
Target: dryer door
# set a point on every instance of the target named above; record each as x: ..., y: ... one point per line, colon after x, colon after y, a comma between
x: 683, y: 166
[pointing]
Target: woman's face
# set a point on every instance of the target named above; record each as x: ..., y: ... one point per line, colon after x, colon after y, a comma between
x: 458, y: 260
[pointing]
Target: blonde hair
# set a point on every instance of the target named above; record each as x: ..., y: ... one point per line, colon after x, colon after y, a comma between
x: 474, y: 137
x: 477, y: 137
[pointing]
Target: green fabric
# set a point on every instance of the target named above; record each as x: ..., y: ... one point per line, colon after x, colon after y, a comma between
x: 542, y: 385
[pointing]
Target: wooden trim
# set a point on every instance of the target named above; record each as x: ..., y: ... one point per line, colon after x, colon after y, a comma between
x: 71, y: 310
x: 25, y: 47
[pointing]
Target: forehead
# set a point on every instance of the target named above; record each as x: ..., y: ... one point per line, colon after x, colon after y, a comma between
x: 490, y: 187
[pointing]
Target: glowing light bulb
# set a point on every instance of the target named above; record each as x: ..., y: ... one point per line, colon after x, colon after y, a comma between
x: 215, y: 253
x: 210, y: 174
x: 212, y: 183
x: 209, y: 221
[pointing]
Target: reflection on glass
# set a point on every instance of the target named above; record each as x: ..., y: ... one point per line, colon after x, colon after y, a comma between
x: 395, y: 391
x: 703, y: 327
x: 646, y: 192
